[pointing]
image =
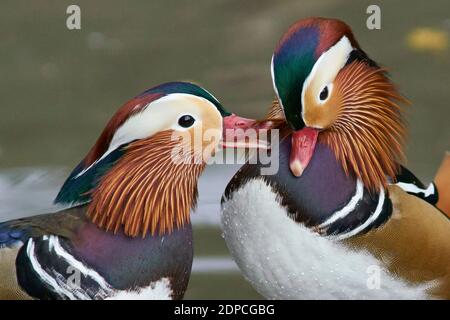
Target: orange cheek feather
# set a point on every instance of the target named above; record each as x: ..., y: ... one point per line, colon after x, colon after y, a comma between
x: 320, y: 116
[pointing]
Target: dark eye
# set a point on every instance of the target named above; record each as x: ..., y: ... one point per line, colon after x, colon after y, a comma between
x: 186, y: 121
x: 324, y: 94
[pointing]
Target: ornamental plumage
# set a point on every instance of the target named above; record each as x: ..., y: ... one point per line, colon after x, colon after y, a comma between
x: 341, y: 205
x: 127, y: 230
x: 342, y: 98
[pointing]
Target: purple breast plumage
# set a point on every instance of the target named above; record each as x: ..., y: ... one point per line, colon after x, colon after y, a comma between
x: 324, y: 198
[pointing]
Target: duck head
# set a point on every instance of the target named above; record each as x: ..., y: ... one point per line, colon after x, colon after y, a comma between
x: 142, y: 172
x: 331, y: 91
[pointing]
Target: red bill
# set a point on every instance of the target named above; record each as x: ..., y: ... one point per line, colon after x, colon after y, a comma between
x: 241, y: 132
x: 302, y: 148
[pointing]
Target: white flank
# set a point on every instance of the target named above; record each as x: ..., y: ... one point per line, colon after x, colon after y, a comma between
x: 285, y: 260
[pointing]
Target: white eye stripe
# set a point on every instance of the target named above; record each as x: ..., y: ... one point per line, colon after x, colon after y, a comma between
x: 161, y: 114
x: 158, y: 115
x: 326, y: 69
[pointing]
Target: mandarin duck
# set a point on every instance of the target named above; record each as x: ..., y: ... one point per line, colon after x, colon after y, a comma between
x: 126, y: 232
x: 341, y: 219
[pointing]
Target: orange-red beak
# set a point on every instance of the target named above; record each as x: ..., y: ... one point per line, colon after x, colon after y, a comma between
x: 241, y: 132
x: 302, y: 148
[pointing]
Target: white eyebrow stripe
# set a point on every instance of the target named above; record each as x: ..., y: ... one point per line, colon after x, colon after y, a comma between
x: 328, y: 66
x: 150, y: 120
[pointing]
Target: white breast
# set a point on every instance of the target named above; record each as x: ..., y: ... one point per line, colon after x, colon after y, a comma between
x: 158, y: 290
x: 285, y: 260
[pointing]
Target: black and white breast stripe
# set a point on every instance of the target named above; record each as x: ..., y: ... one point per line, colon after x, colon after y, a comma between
x: 47, y: 270
x: 361, y: 215
x: 364, y: 212
x: 430, y: 194
x: 412, y: 185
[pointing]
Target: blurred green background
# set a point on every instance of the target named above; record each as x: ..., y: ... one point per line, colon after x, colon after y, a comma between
x: 59, y: 87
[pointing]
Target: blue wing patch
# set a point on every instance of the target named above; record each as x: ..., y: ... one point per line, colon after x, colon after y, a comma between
x: 11, y: 236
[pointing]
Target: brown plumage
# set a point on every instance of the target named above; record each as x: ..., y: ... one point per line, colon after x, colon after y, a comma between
x: 9, y: 288
x: 276, y: 116
x: 426, y: 260
x: 368, y: 132
x: 413, y: 244
x: 123, y: 114
x: 146, y: 191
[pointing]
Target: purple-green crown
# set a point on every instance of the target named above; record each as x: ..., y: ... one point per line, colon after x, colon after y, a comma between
x: 295, y: 56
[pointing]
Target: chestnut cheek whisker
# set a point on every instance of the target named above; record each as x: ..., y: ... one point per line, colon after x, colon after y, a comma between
x: 137, y: 193
x: 369, y: 131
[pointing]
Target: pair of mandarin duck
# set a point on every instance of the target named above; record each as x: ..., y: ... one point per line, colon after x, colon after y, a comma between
x: 341, y: 219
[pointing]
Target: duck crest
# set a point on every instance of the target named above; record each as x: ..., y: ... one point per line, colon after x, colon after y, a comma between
x: 86, y: 175
x: 296, y: 54
x: 101, y: 158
